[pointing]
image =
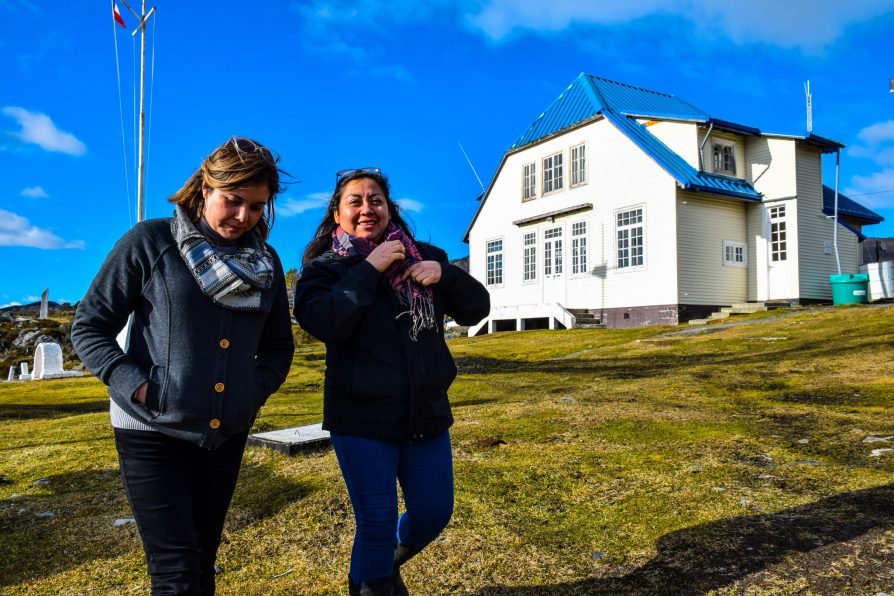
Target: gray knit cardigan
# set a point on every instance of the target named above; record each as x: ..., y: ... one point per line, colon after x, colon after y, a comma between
x: 209, y: 369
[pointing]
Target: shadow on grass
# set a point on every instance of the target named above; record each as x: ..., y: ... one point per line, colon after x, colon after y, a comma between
x: 84, y: 506
x: 710, y: 556
x: 37, y: 411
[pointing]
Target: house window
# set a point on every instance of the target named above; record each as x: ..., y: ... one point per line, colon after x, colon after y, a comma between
x: 724, y: 157
x: 579, y: 165
x: 529, y: 182
x: 630, y: 238
x: 734, y: 254
x: 494, y: 262
x: 778, y: 242
x: 552, y: 252
x: 579, y: 248
x: 552, y: 173
x: 529, y: 267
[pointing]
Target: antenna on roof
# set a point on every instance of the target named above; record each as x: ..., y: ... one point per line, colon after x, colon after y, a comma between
x: 481, y: 184
x: 809, y: 98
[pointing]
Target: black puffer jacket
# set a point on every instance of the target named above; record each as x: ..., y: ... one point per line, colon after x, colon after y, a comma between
x: 379, y: 383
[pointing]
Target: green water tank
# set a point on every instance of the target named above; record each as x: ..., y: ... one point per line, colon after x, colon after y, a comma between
x: 849, y: 288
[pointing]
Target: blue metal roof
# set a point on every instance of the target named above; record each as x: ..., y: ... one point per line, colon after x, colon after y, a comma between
x: 588, y: 95
x: 688, y: 177
x: 848, y: 207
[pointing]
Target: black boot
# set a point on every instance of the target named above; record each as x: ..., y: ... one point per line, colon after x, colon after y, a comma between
x: 402, y: 554
x: 375, y: 587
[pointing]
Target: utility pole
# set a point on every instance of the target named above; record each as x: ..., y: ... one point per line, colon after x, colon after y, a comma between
x: 141, y: 28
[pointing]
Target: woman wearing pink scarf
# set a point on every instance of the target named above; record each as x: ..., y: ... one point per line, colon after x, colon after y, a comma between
x: 378, y: 298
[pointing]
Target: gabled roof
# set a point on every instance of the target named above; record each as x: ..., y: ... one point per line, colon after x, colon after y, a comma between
x: 587, y: 96
x: 848, y: 207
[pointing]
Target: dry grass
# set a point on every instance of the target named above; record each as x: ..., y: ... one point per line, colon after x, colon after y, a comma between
x: 634, y: 461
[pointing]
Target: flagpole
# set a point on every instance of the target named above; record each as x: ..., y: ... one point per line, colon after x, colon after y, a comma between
x: 141, y: 183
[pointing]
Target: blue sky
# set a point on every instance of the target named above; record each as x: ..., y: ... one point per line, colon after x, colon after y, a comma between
x: 397, y: 85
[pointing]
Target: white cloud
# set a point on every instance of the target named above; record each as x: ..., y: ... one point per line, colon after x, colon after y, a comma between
x: 39, y: 129
x: 35, y: 192
x: 808, y: 24
x: 8, y: 304
x: 410, y: 205
x: 875, y: 190
x: 290, y: 207
x: 15, y: 230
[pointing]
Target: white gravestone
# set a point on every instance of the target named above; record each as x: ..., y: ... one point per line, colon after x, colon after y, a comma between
x: 48, y: 363
x: 25, y: 376
x: 44, y: 306
x: 12, y: 374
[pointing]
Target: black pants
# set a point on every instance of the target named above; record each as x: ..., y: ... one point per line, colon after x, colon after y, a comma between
x: 179, y: 494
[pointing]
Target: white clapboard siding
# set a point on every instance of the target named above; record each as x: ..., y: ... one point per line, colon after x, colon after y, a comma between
x: 703, y: 225
x: 757, y: 252
x: 815, y: 230
x: 619, y: 176
x: 770, y: 165
x: 681, y: 137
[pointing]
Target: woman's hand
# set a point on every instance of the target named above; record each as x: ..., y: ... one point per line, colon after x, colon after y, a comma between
x: 139, y: 395
x: 386, y: 253
x: 424, y: 273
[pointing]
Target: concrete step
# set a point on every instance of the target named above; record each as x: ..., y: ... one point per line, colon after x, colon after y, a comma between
x: 698, y: 321
x: 757, y: 305
x: 718, y: 315
x: 737, y: 310
x: 589, y: 326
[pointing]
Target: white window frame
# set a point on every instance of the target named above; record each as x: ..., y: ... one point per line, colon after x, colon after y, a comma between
x: 778, y: 234
x: 553, y: 173
x: 578, y: 165
x: 494, y: 256
x: 579, y: 260
x: 553, y: 252
x: 718, y: 158
x: 735, y: 254
x: 627, y: 214
x: 529, y: 181
x: 529, y: 257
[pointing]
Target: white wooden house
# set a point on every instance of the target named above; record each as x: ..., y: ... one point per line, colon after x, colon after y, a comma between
x: 638, y: 208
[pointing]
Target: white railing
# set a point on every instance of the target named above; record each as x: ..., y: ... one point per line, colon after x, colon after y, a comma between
x: 555, y: 312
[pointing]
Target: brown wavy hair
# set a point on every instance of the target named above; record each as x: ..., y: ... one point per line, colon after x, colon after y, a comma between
x: 239, y: 163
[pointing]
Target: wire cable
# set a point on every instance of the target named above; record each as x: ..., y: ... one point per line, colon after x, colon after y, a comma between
x: 121, y: 114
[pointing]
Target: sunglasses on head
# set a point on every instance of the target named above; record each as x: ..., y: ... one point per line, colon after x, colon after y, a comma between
x: 352, y: 171
x: 246, y: 146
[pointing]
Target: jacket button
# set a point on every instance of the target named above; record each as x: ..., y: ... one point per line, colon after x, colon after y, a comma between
x: 219, y: 387
x: 224, y: 344
x: 215, y: 423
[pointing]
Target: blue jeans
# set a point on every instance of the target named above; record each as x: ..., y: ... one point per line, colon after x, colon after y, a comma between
x: 371, y: 469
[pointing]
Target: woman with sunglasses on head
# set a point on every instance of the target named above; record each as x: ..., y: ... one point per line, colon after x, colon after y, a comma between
x: 377, y: 298
x: 209, y: 340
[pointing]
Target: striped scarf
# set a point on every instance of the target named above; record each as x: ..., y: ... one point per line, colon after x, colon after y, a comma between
x: 236, y: 281
x: 415, y: 298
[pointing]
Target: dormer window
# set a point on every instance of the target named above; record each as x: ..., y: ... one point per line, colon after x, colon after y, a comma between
x: 552, y: 173
x: 529, y: 182
x: 724, y: 157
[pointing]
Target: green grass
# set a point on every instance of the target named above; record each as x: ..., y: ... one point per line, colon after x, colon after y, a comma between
x: 730, y: 462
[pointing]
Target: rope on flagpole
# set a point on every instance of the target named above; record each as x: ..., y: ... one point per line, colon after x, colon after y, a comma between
x: 121, y: 114
x: 136, y: 114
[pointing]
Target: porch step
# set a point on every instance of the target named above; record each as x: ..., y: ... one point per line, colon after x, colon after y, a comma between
x: 584, y: 319
x: 698, y: 321
x: 719, y: 315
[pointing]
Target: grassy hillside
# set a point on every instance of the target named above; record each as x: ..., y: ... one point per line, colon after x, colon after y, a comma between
x: 737, y: 461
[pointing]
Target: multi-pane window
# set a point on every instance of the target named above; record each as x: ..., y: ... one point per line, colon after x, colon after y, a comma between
x: 579, y: 247
x: 734, y: 253
x: 552, y: 173
x: 529, y: 182
x: 529, y: 266
x: 494, y: 262
x: 630, y: 238
x: 579, y: 165
x: 778, y: 241
x: 552, y: 252
x: 725, y: 158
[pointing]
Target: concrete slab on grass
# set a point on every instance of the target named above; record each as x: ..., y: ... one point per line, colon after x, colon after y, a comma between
x: 292, y: 440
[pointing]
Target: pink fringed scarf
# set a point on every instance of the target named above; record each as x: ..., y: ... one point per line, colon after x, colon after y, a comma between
x: 417, y: 299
